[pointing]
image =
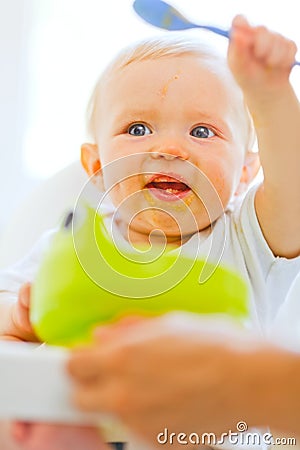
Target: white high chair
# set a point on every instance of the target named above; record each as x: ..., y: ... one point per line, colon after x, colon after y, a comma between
x: 42, y: 210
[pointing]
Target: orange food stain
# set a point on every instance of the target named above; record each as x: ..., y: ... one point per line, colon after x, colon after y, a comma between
x: 165, y: 89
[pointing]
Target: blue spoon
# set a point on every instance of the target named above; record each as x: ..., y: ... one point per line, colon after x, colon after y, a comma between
x: 162, y: 15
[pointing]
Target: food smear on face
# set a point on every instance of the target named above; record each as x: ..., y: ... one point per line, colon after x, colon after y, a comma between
x: 165, y: 89
x: 163, y: 190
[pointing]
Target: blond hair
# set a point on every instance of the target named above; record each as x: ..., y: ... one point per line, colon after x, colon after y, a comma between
x: 154, y: 48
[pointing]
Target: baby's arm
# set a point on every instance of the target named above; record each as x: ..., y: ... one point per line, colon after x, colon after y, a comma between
x: 261, y: 62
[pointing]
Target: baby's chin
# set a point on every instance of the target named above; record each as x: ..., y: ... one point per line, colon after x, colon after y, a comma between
x: 160, y: 223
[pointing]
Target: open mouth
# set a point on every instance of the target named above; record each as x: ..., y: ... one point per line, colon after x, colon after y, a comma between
x: 168, y: 188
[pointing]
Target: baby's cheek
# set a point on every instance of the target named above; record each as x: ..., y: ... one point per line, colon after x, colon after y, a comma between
x: 125, y: 191
x: 222, y: 181
x: 115, y: 194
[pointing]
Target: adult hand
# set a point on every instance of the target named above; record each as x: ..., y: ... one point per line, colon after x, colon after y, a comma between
x: 178, y: 372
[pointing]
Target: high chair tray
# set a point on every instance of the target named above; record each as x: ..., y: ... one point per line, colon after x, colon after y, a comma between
x: 34, y: 385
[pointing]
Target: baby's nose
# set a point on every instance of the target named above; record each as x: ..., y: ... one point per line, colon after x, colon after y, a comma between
x: 170, y: 152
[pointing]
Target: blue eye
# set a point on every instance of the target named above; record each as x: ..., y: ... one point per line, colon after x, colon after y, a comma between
x: 202, y: 132
x: 139, y: 129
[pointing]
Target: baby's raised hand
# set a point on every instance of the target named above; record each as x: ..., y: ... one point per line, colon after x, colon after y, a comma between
x: 260, y: 60
x: 17, y: 326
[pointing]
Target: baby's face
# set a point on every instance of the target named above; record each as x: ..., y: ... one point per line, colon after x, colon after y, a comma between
x: 180, y: 130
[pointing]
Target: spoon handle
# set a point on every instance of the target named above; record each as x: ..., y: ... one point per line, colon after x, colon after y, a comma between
x: 216, y: 30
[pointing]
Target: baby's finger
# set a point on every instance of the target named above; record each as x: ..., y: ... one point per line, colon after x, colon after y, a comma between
x: 24, y: 295
x: 10, y: 338
x: 263, y: 42
x: 21, y: 325
x: 291, y: 52
x: 241, y: 32
x: 277, y: 53
x: 240, y: 21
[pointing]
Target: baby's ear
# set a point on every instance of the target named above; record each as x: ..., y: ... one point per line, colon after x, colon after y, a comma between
x: 90, y: 158
x: 91, y: 163
x: 250, y: 169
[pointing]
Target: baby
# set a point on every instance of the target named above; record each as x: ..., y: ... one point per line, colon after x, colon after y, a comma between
x: 172, y: 148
